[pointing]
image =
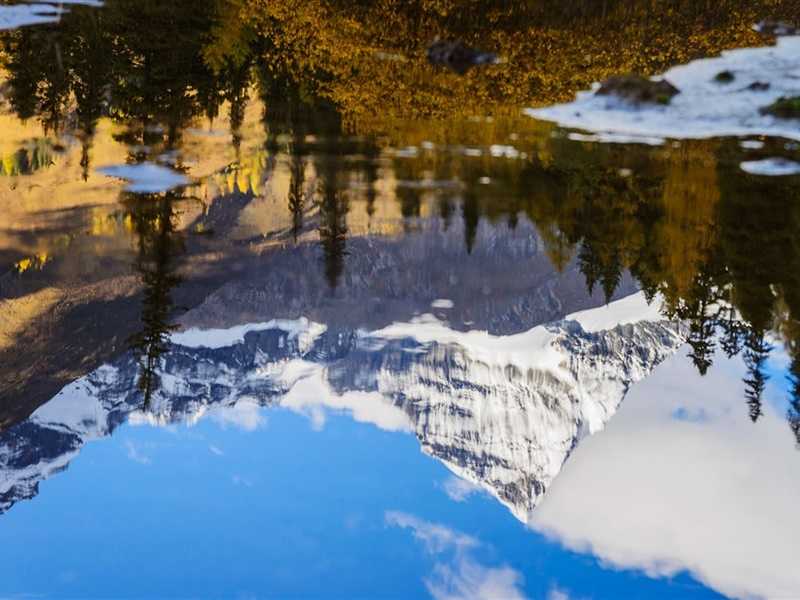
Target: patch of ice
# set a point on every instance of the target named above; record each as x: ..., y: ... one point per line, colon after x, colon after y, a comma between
x: 751, y: 144
x: 146, y: 178
x: 704, y: 108
x: 771, y: 167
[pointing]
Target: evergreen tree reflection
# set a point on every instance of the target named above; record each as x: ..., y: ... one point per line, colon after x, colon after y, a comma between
x: 159, y: 246
x: 793, y: 414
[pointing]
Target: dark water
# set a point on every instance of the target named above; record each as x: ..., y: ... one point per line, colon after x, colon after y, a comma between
x: 255, y: 256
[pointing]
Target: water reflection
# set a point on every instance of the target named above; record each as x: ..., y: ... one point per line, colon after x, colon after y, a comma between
x: 669, y: 216
x: 348, y: 229
x: 501, y: 411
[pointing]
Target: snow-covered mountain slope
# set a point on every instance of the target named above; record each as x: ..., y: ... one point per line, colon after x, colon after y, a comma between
x: 503, y: 412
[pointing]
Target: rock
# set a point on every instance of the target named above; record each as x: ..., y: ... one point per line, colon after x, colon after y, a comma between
x: 784, y: 108
x: 638, y: 89
x: 724, y: 77
x: 758, y: 86
x: 776, y: 28
x: 457, y: 56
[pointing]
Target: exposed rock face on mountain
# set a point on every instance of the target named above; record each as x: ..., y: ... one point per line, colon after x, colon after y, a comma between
x: 502, y: 412
x: 505, y: 285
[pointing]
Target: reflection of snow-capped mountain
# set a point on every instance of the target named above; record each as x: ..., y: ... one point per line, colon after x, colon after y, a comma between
x: 501, y: 411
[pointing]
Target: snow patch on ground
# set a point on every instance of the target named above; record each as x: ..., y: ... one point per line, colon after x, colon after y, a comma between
x: 20, y: 15
x: 704, y: 108
x: 771, y: 167
x: 146, y: 178
x: 615, y: 138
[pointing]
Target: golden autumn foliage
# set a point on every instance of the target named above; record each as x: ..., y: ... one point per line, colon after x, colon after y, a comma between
x: 369, y: 57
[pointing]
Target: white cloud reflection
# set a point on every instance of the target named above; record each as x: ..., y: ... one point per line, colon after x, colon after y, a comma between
x: 136, y: 454
x: 682, y: 480
x: 311, y: 395
x: 457, y: 575
x: 556, y: 593
x: 458, y: 489
x: 246, y: 415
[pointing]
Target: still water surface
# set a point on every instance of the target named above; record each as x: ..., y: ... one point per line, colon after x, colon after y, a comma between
x: 287, y: 311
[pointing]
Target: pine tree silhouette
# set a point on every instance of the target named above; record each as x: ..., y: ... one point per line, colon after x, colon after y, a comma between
x: 756, y: 352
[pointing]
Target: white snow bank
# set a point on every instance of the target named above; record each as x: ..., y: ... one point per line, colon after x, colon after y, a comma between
x: 771, y: 166
x: 146, y: 178
x: 704, y: 108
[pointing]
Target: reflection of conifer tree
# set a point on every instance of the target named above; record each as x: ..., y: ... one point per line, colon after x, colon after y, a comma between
x: 333, y: 231
x: 590, y: 265
x: 793, y: 414
x: 471, y: 215
x: 611, y: 275
x: 756, y: 352
x: 297, y: 198
x: 38, y: 76
x: 446, y: 209
x: 159, y: 246
x: 700, y: 309
x: 161, y: 77
x: 733, y: 332
x: 290, y: 111
x: 371, y: 155
x: 90, y: 56
x: 410, y: 203
x: 407, y: 193
x: 558, y: 248
x: 513, y: 219
x: 54, y: 88
x: 238, y: 78
x: 24, y: 71
x: 143, y: 58
x: 701, y: 341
